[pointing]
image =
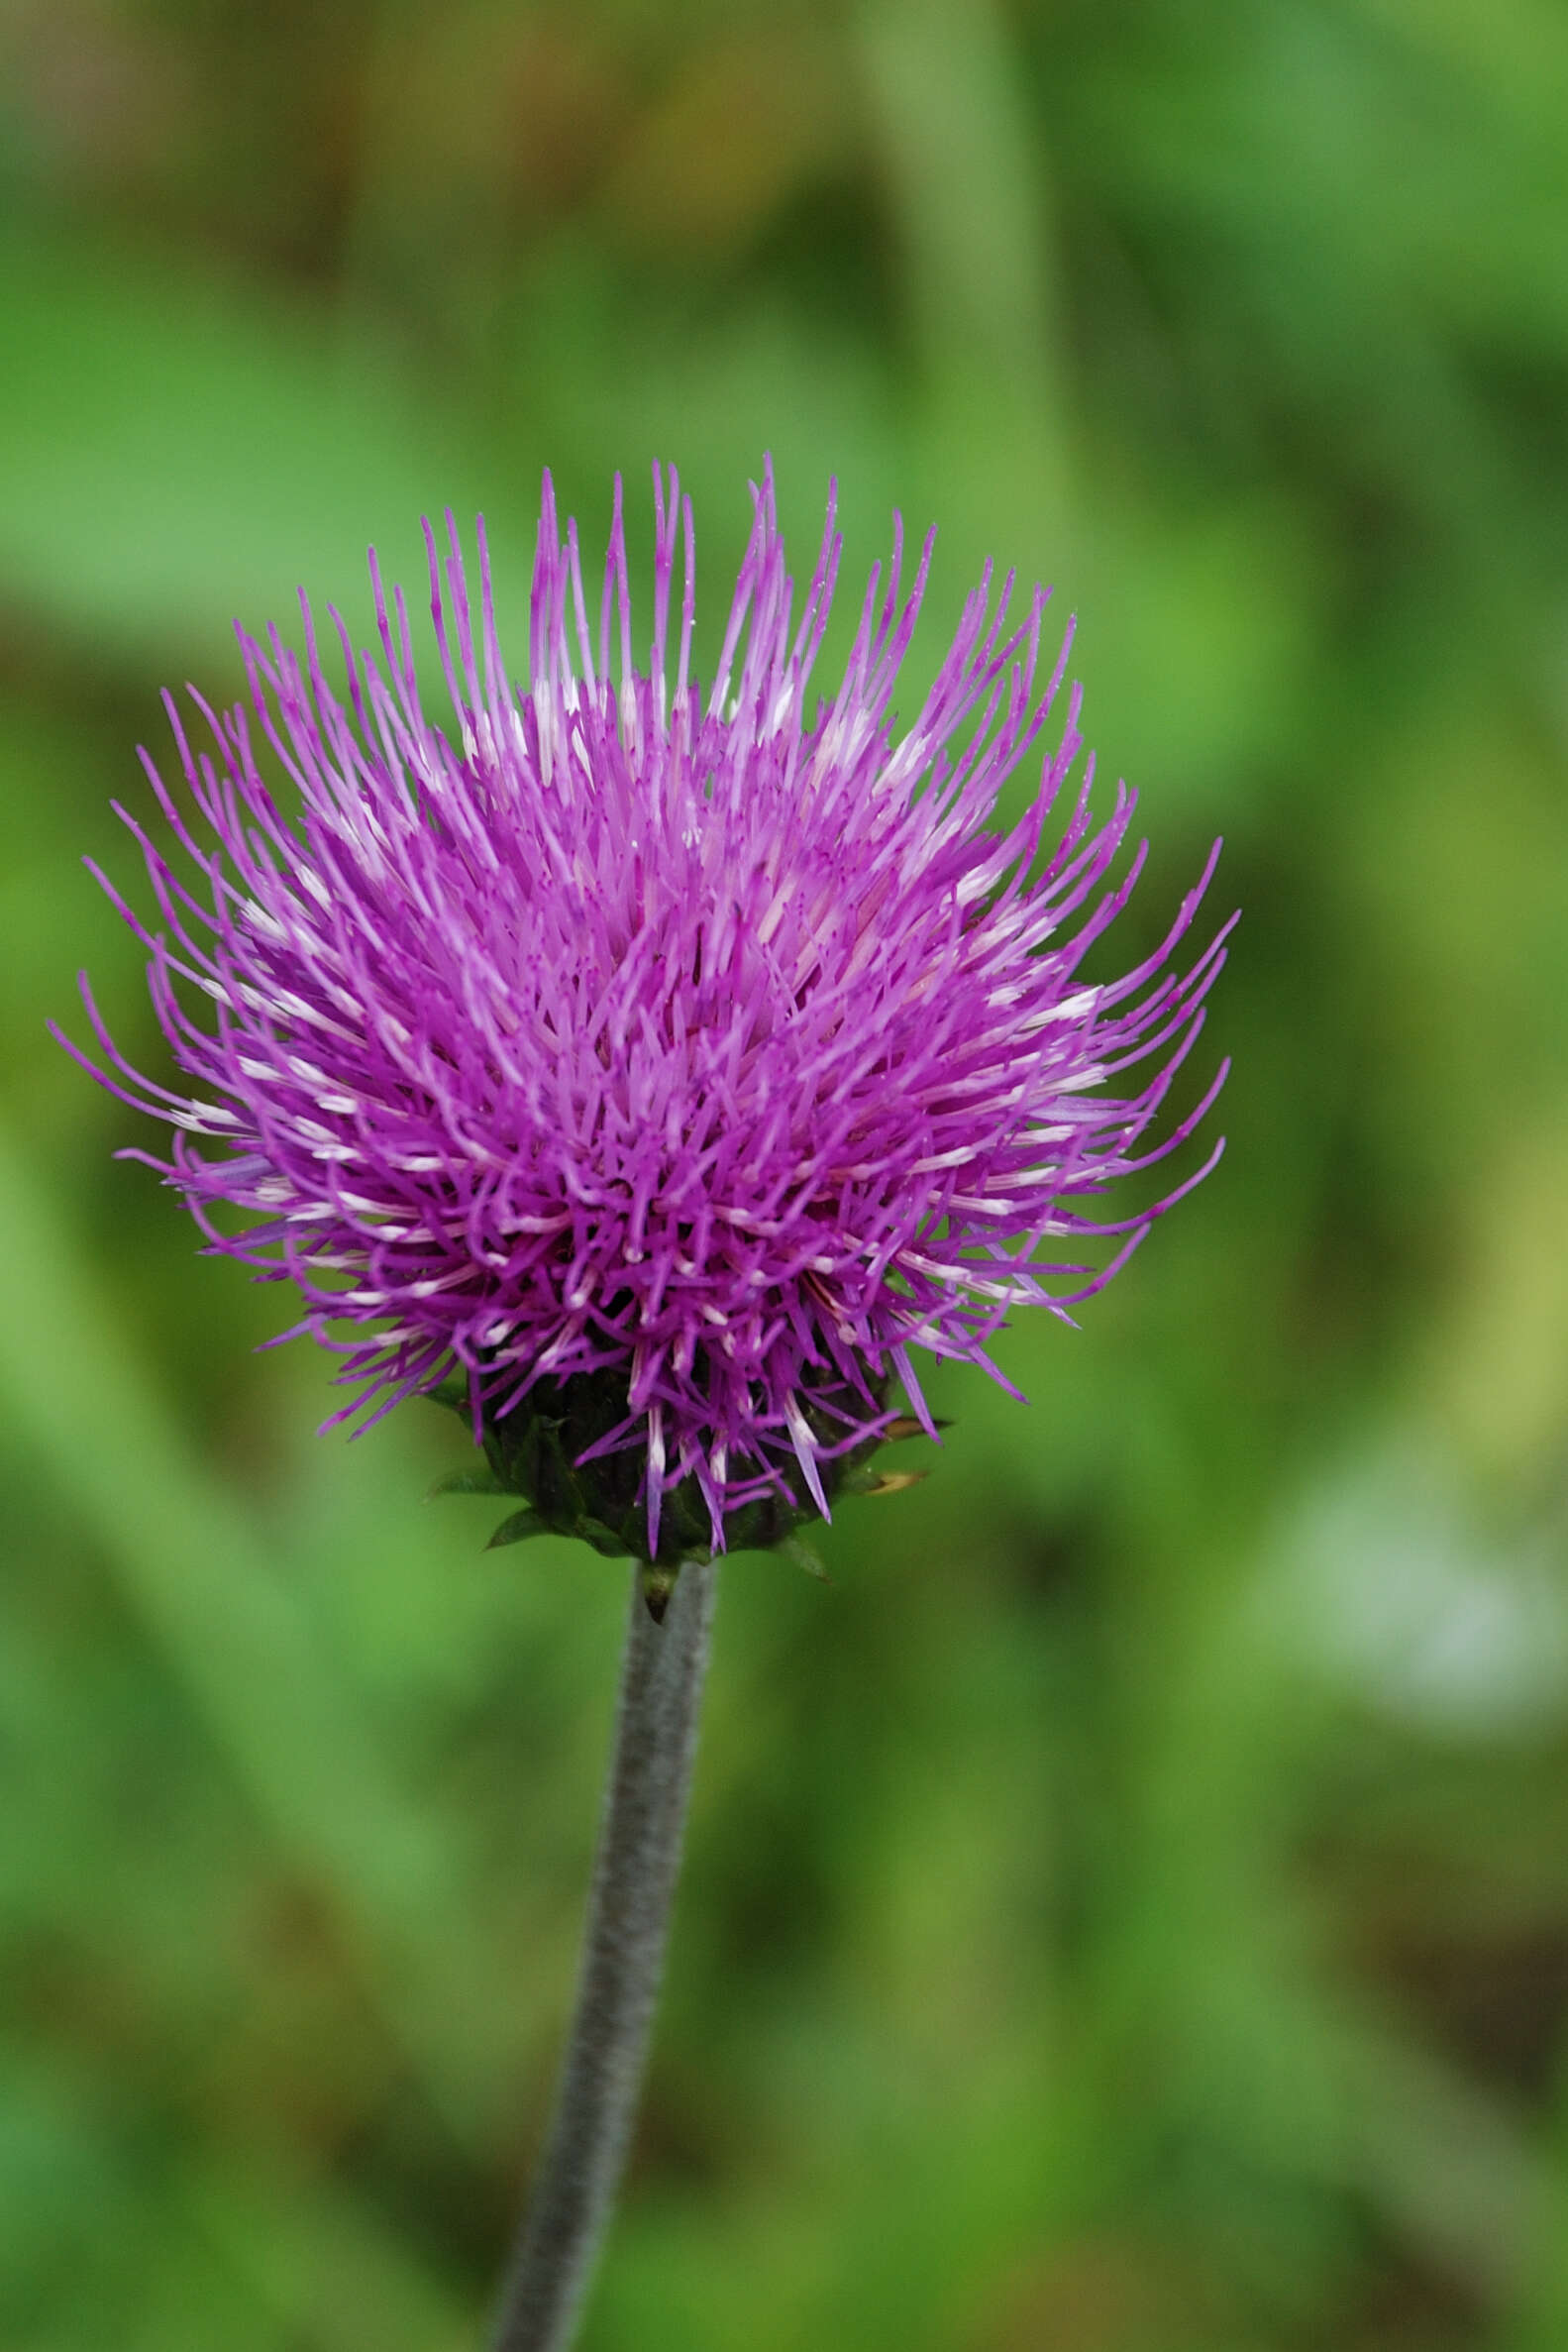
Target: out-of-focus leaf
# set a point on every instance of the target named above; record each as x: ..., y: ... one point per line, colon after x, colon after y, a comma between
x: 177, y: 447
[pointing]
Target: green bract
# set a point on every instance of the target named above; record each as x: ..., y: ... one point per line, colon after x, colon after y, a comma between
x: 535, y: 1453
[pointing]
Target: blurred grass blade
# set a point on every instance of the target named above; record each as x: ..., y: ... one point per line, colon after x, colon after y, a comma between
x: 192, y: 1569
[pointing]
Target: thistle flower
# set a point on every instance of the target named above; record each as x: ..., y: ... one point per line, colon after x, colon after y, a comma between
x: 663, y: 1066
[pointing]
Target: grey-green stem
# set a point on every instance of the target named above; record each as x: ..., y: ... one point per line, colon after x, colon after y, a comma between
x: 623, y: 1950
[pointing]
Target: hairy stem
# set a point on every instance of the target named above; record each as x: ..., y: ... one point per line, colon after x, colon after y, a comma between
x: 623, y: 1950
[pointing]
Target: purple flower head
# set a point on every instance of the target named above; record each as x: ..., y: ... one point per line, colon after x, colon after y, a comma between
x: 664, y: 1065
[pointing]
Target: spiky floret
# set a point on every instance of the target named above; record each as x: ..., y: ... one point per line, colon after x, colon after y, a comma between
x: 709, y: 1044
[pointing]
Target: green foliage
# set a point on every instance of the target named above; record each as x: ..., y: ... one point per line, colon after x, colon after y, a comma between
x: 1126, y: 1907
x: 546, y: 1449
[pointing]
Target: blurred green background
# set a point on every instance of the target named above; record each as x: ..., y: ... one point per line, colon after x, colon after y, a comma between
x: 1127, y: 1910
